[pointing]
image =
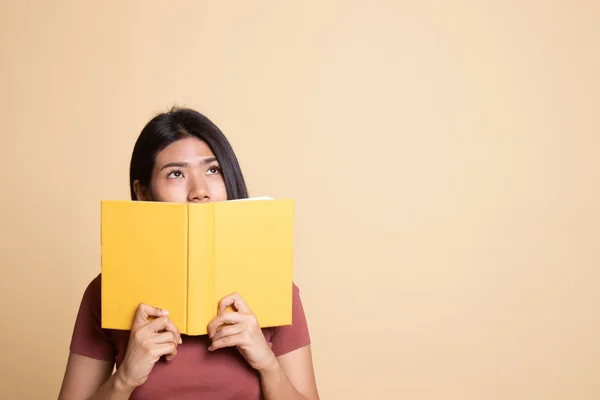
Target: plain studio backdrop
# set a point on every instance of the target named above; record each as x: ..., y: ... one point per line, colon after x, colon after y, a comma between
x: 443, y: 156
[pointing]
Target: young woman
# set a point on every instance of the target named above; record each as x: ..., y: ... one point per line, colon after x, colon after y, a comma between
x: 181, y: 156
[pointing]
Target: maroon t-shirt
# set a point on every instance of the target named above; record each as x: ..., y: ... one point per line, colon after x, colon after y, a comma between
x: 195, y: 372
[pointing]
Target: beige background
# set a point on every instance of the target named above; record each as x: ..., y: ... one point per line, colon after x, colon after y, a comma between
x: 443, y: 156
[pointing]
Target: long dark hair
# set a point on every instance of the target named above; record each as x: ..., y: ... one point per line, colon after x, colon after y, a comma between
x: 179, y: 123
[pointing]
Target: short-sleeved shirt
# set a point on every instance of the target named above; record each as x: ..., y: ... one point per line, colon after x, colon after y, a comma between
x: 195, y: 371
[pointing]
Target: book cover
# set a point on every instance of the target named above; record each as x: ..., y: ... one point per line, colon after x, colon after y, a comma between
x: 186, y: 257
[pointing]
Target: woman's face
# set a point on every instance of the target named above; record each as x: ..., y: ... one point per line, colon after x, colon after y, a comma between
x: 186, y: 171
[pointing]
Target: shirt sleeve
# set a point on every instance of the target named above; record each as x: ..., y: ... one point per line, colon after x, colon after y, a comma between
x: 292, y: 337
x: 89, y: 339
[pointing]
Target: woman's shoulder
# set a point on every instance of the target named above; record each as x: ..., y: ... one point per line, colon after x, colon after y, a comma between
x: 89, y: 339
x: 90, y: 307
x: 295, y: 288
x: 96, y: 283
x: 93, y: 290
x: 91, y: 301
x: 291, y: 337
x: 296, y: 300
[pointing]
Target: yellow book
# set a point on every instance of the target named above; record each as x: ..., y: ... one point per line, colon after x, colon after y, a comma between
x: 186, y: 257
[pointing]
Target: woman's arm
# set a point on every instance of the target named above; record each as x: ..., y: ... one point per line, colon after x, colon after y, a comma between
x: 86, y: 377
x: 90, y: 379
x: 290, y: 377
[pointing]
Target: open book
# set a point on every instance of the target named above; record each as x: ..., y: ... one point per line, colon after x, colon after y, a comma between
x: 185, y: 257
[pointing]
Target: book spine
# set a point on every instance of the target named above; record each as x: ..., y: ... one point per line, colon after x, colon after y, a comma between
x: 187, y: 270
x: 201, y: 267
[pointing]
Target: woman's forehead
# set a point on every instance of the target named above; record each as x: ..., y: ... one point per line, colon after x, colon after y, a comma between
x: 187, y: 149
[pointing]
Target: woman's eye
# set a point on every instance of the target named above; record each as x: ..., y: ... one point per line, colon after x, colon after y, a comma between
x: 213, y: 170
x: 175, y: 174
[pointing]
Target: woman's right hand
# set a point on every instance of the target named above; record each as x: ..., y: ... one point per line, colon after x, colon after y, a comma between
x: 149, y: 340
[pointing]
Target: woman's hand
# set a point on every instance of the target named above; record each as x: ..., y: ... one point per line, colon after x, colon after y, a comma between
x: 240, y: 329
x: 149, y: 341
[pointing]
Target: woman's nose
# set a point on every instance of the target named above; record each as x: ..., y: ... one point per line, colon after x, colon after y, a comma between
x: 198, y: 191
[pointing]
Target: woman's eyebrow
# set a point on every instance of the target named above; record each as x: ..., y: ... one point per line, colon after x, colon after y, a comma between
x: 182, y: 164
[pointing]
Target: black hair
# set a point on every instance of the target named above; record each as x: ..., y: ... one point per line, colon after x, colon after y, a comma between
x: 179, y: 123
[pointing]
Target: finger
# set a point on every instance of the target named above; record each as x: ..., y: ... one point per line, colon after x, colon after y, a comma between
x: 165, y: 349
x: 234, y: 300
x: 227, y: 341
x: 164, y: 323
x: 145, y: 311
x: 166, y: 337
x: 225, y: 318
x: 228, y: 330
x: 172, y: 354
x: 171, y: 327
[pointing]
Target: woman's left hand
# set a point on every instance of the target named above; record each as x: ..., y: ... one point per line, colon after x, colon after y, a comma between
x: 240, y: 329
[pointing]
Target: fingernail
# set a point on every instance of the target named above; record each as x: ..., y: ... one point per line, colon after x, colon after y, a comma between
x: 180, y: 341
x: 165, y: 312
x: 210, y: 348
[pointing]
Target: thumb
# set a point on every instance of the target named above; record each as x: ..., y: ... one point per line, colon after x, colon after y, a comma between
x: 144, y: 312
